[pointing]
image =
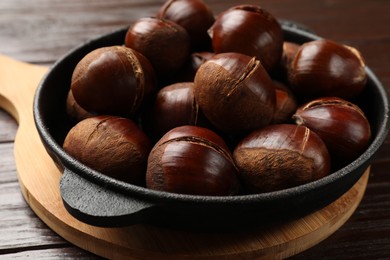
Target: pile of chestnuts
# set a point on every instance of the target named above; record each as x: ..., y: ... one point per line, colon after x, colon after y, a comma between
x: 194, y: 103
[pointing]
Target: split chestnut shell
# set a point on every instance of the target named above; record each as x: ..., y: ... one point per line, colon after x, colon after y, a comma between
x: 250, y: 30
x: 113, y: 145
x: 281, y: 156
x: 194, y: 16
x: 341, y: 124
x: 235, y: 93
x: 112, y: 80
x: 164, y: 43
x: 173, y: 106
x: 192, y: 160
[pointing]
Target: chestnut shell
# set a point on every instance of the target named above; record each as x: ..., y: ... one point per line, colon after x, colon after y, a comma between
x: 341, y: 124
x: 192, y: 160
x: 235, y: 93
x: 173, y: 106
x: 286, y: 104
x: 250, y: 30
x: 164, y: 43
x: 281, y: 156
x: 74, y: 110
x: 112, y: 145
x: 327, y: 68
x: 194, y: 16
x: 112, y: 80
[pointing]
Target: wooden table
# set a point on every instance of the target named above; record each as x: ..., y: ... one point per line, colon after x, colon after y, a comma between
x: 41, y: 31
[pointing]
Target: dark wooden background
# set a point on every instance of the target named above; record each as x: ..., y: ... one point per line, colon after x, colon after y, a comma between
x: 41, y: 31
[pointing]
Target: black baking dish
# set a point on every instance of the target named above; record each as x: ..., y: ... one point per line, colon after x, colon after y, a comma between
x: 100, y: 200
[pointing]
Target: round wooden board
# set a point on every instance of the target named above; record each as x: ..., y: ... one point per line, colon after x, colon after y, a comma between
x: 39, y: 183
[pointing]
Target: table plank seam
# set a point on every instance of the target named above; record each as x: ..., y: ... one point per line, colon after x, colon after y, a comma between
x: 13, y: 250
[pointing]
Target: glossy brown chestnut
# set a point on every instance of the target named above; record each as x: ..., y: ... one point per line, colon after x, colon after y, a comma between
x: 112, y: 80
x: 74, y: 111
x: 235, y: 92
x: 165, y: 44
x: 194, y: 16
x: 192, y: 160
x: 174, y: 106
x: 114, y: 146
x: 290, y: 49
x: 326, y: 68
x: 198, y: 58
x: 281, y: 156
x: 341, y: 124
x: 187, y: 73
x: 250, y: 30
x: 286, y: 104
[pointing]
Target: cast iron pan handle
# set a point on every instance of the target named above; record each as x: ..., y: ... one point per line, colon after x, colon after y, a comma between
x: 93, y: 204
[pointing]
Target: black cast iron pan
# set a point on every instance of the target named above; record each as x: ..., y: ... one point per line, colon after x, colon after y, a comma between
x: 103, y: 201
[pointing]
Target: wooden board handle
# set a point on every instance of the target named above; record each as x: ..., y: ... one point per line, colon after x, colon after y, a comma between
x: 18, y: 82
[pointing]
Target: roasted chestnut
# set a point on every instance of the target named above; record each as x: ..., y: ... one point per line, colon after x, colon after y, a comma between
x: 192, y: 160
x: 281, y: 156
x: 235, y: 93
x: 112, y: 145
x: 112, y: 80
x: 194, y: 16
x: 341, y: 124
x: 326, y: 68
x: 74, y: 111
x: 289, y: 51
x: 286, y: 104
x: 165, y: 44
x: 249, y: 30
x: 187, y: 73
x: 173, y: 106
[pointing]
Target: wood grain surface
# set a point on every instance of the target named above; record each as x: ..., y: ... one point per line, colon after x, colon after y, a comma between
x: 41, y: 31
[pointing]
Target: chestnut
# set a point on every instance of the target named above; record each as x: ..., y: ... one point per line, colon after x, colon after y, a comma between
x: 114, y: 146
x: 235, y: 93
x: 286, y: 104
x: 74, y: 111
x: 112, y: 80
x: 198, y: 58
x: 187, y: 73
x: 326, y: 68
x: 249, y: 30
x: 341, y: 124
x: 174, y: 106
x: 194, y: 16
x: 281, y: 156
x: 289, y: 51
x: 192, y: 160
x: 165, y: 44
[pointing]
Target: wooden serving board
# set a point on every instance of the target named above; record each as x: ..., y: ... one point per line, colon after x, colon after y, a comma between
x: 39, y: 183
